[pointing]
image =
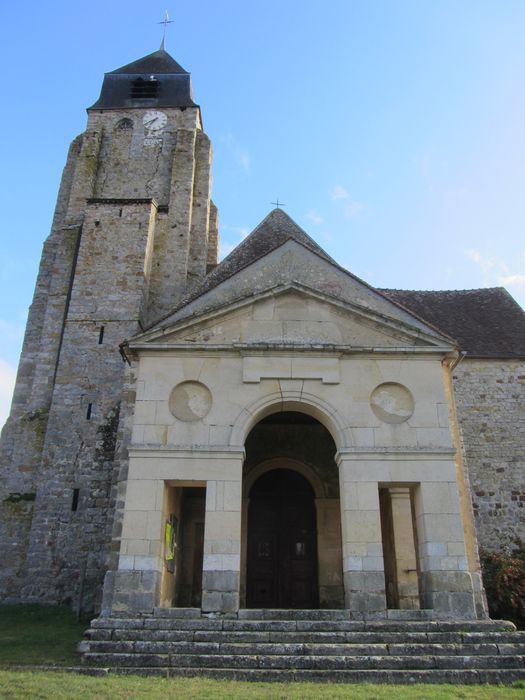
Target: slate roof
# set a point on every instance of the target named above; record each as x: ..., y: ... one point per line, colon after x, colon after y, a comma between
x: 173, y: 84
x: 485, y: 322
x: 157, y: 62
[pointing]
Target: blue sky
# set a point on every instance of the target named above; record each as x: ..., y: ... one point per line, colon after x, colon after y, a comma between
x: 394, y: 131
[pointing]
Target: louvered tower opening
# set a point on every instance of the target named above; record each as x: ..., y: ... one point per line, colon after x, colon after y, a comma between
x: 141, y: 88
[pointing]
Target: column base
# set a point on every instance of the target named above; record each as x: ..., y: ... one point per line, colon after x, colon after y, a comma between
x: 220, y: 591
x: 132, y: 592
x: 365, y: 591
x: 449, y: 593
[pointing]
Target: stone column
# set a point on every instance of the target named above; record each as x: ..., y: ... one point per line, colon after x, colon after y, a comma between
x: 404, y: 547
x: 445, y: 580
x: 363, y: 566
x: 222, y: 546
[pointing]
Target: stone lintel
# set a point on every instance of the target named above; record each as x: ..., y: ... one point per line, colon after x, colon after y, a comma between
x: 256, y: 368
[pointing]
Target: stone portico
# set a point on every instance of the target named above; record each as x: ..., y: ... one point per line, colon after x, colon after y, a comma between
x: 236, y: 386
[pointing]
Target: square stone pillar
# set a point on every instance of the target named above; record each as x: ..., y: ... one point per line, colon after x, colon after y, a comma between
x: 363, y: 566
x: 329, y: 554
x: 405, y: 564
x: 136, y: 583
x: 222, y: 546
x: 446, y: 583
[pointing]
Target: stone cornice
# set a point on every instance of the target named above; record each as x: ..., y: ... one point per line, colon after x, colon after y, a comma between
x: 394, y: 454
x: 187, y: 451
x: 244, y: 349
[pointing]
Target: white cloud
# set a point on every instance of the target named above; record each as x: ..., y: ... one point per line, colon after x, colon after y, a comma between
x: 11, y: 332
x: 483, y: 262
x: 351, y: 207
x: 225, y: 249
x: 229, y: 242
x: 7, y: 384
x: 339, y: 192
x: 314, y: 217
x: 240, y: 154
x: 512, y: 280
x: 497, y: 270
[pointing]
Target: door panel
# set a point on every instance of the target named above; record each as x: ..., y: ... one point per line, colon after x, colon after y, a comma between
x: 282, y: 543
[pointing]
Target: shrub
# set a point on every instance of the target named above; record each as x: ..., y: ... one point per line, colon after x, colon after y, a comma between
x: 504, y: 580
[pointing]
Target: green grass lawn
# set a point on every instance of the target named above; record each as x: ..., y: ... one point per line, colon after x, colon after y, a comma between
x: 64, y: 686
x: 39, y: 635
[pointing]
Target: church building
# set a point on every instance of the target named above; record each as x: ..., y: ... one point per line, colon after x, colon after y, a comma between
x: 267, y: 432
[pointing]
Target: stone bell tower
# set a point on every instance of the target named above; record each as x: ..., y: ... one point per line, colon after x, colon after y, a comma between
x: 134, y: 230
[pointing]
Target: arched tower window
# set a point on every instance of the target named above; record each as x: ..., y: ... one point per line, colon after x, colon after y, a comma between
x: 124, y: 124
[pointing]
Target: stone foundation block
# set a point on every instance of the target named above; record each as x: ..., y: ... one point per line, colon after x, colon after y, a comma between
x: 220, y: 591
x: 224, y: 581
x: 449, y: 593
x: 135, y: 591
x: 365, y: 591
x: 216, y: 601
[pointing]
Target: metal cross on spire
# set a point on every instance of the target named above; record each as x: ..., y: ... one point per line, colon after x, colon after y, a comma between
x: 165, y: 22
x: 278, y: 204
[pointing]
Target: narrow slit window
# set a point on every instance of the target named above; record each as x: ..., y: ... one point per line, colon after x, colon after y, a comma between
x: 101, y: 335
x: 89, y: 410
x: 74, y: 500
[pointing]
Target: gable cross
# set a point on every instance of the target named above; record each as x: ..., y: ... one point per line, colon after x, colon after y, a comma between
x: 165, y: 22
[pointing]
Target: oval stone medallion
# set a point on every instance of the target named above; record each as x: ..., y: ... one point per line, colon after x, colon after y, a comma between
x: 190, y: 401
x: 392, y: 403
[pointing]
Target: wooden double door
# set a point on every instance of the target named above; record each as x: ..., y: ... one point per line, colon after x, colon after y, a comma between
x: 282, y: 542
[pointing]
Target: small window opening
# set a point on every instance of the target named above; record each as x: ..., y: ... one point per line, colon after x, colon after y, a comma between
x: 125, y: 124
x: 120, y: 212
x: 89, y: 410
x: 101, y: 335
x: 141, y: 88
x: 74, y: 500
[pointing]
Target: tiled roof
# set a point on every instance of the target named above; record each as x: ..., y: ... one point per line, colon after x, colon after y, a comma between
x: 485, y: 322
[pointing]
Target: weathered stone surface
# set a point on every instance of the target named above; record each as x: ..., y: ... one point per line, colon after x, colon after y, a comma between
x: 490, y: 397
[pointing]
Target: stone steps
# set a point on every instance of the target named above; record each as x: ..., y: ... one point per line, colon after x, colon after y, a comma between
x: 309, y: 662
x: 305, y: 644
x: 464, y: 676
x: 319, y: 648
x: 302, y: 637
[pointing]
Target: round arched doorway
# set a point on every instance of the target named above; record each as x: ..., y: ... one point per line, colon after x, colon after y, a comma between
x: 282, y: 542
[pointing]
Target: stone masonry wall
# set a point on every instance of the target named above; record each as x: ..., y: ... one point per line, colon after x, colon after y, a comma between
x: 23, y: 434
x: 68, y: 540
x: 490, y: 397
x: 116, y: 259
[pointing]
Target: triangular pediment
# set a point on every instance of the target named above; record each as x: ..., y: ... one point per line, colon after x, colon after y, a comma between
x: 291, y: 315
x: 293, y: 263
x: 279, y: 286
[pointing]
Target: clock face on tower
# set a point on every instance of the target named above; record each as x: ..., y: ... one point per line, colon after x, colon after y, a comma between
x: 154, y: 121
